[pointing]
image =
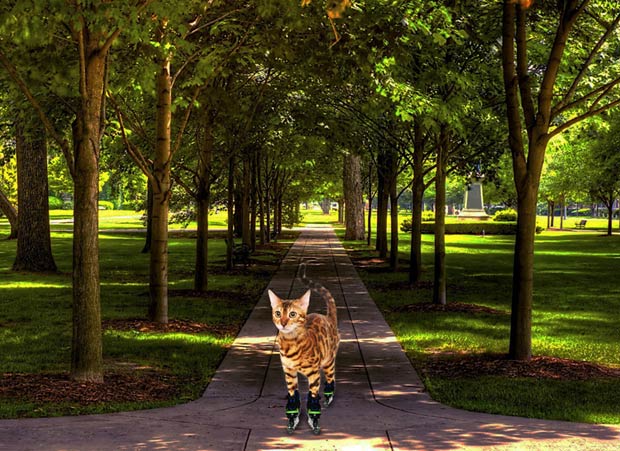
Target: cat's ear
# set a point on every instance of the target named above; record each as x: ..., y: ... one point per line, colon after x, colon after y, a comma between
x: 304, y: 301
x: 274, y: 299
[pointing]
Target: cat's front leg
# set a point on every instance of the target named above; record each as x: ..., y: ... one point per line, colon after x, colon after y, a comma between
x: 292, y: 382
x: 292, y: 400
x: 314, y: 405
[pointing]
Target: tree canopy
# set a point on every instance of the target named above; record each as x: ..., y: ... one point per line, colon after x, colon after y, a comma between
x: 257, y: 105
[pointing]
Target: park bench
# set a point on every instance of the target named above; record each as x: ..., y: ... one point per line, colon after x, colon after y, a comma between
x: 240, y: 253
x: 581, y: 224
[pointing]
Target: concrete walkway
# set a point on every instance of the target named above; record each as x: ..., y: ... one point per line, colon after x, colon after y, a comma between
x: 380, y: 402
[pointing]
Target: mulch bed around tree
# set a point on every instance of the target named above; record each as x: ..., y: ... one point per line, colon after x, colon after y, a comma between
x: 174, y: 325
x: 139, y: 386
x: 540, y: 367
x: 130, y: 384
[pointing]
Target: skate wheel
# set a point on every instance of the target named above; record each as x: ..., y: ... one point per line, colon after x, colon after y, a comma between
x: 314, y: 425
x: 292, y: 424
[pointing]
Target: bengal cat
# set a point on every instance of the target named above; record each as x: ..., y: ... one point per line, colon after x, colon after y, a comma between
x: 308, y: 344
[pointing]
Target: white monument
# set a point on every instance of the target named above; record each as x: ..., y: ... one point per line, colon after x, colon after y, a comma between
x: 474, y: 201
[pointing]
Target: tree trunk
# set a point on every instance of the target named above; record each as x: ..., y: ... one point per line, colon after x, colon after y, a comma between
x: 523, y: 275
x: 8, y: 209
x: 149, y: 218
x: 34, y: 246
x: 562, y: 212
x: 230, y: 206
x: 280, y: 204
x: 201, y: 277
x: 245, y: 202
x: 610, y: 213
x: 253, y: 201
x: 369, y: 236
x: 417, y: 197
x: 383, y: 196
x: 86, y: 349
x: 158, y: 271
x: 439, y: 283
x: 393, y: 225
x: 353, y: 198
x: 534, y: 115
x: 203, y: 197
x: 341, y: 209
x: 267, y: 215
x: 261, y: 203
x: 325, y: 205
x: 238, y: 209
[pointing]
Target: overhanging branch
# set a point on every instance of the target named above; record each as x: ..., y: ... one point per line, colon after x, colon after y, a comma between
x: 47, y: 123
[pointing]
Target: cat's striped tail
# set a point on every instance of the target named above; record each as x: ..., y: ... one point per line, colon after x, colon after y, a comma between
x: 321, y: 291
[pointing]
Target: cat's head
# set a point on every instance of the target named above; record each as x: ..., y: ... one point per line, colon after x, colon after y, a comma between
x: 288, y: 315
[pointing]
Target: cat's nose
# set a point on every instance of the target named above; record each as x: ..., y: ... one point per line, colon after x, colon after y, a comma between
x: 284, y: 321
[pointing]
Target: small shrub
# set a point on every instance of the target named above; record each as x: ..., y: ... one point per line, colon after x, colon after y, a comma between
x: 405, y: 226
x: 428, y: 215
x: 106, y: 205
x: 67, y: 205
x: 55, y: 203
x: 539, y: 229
x: 508, y: 214
x: 135, y: 205
x: 584, y: 212
x: 183, y: 217
x: 475, y: 228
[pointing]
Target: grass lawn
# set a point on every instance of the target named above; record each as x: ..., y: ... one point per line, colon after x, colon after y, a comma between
x: 35, y: 319
x: 576, y: 316
x: 62, y: 220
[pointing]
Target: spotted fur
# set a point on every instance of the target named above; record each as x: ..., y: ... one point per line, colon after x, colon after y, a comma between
x: 308, y: 342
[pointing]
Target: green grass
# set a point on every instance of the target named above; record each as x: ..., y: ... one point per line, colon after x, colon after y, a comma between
x: 35, y: 315
x: 575, y: 316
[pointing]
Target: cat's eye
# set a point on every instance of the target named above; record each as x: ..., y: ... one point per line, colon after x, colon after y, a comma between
x: 292, y: 314
x: 278, y: 314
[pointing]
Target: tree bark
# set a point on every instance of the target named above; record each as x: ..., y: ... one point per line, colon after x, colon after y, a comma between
x: 417, y: 197
x: 34, y: 245
x: 325, y: 205
x: 439, y: 283
x: 610, y: 212
x: 9, y: 210
x: 86, y: 355
x: 158, y: 269
x: 149, y: 218
x: 245, y: 202
x: 562, y: 212
x: 230, y: 206
x: 523, y: 275
x: 261, y: 203
x: 203, y: 197
x: 383, y: 196
x: 393, y: 223
x: 253, y: 201
x: 341, y: 209
x: 353, y: 198
x: 369, y: 236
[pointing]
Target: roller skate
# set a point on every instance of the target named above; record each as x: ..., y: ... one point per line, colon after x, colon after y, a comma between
x: 328, y: 392
x: 292, y: 411
x: 314, y: 413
